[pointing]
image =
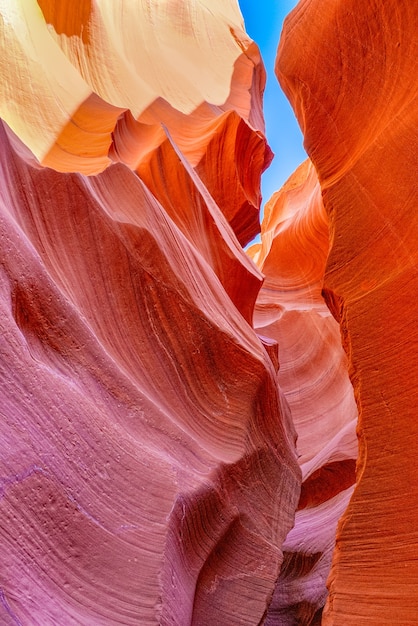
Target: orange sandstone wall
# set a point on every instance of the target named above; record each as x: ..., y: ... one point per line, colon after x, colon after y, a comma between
x: 349, y: 69
x: 314, y: 378
x: 154, y: 377
x: 88, y: 84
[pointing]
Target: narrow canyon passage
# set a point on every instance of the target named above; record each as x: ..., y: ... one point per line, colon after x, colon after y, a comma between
x: 181, y: 419
x: 313, y: 374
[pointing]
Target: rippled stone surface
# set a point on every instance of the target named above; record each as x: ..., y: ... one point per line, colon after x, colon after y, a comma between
x: 154, y: 377
x: 148, y: 467
x: 313, y: 375
x: 356, y: 102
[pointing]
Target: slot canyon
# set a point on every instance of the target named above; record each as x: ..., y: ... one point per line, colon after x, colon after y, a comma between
x: 207, y: 419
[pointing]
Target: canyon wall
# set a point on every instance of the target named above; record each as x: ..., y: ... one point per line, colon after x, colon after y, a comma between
x: 313, y: 375
x: 349, y: 69
x: 148, y: 462
x: 179, y: 417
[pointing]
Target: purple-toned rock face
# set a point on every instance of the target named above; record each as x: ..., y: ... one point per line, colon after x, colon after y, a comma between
x: 178, y: 426
x: 148, y: 462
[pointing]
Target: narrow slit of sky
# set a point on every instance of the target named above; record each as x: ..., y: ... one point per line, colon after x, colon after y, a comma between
x: 263, y: 22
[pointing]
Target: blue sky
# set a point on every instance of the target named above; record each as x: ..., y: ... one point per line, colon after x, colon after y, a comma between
x: 263, y: 21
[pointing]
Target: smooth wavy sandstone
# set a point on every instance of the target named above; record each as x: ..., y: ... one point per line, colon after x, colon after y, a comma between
x: 154, y: 378
x: 313, y: 376
x: 356, y: 103
x: 148, y: 465
x: 100, y: 83
x: 149, y: 410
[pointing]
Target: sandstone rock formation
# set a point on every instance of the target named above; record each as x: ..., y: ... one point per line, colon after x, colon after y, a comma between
x: 356, y: 101
x: 148, y: 462
x: 313, y: 375
x: 154, y: 377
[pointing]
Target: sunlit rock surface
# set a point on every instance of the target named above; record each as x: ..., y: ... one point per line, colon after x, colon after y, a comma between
x: 152, y: 385
x: 101, y: 82
x: 313, y: 375
x: 356, y: 100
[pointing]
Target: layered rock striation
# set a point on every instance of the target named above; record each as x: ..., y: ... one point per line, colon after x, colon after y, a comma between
x: 178, y: 421
x: 313, y: 376
x: 148, y: 465
x: 356, y: 101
